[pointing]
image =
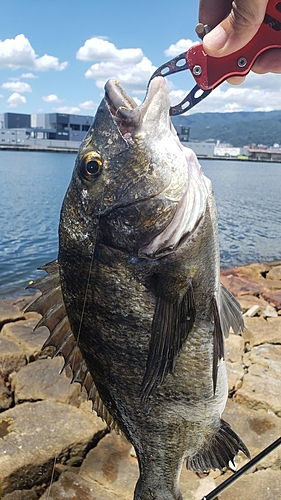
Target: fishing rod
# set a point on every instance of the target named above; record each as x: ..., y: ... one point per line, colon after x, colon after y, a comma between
x: 240, y: 472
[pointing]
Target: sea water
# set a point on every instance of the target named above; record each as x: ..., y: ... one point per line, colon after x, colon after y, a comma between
x: 33, y: 184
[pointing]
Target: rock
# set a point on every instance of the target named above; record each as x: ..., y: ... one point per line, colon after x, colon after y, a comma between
x: 260, y: 331
x: 6, y: 398
x: 252, y: 311
x: 74, y: 487
x: 269, y: 312
x: 21, y: 495
x: 261, y: 385
x: 234, y: 350
x: 42, y: 380
x: 12, y: 356
x: 260, y: 485
x: 274, y: 273
x: 274, y: 298
x: 247, y: 301
x: 34, y: 435
x: 22, y: 334
x: 111, y: 466
x: 253, y: 271
x: 8, y: 312
x: 265, y: 360
x: 239, y: 285
x: 258, y: 429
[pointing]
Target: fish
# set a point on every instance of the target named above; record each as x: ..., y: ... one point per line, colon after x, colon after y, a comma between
x: 134, y: 301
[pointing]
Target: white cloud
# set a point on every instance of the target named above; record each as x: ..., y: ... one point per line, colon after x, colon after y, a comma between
x: 53, y: 98
x: 129, y: 66
x: 15, y: 100
x: 98, y: 49
x: 180, y: 46
x: 1, y: 96
x: 18, y: 53
x: 17, y: 86
x: 88, y: 105
x: 28, y: 75
x: 72, y: 110
x: 256, y: 93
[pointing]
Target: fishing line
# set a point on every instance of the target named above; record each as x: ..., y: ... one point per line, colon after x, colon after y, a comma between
x: 52, y: 476
x: 90, y: 271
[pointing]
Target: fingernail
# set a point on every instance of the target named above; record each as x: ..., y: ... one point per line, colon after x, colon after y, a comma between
x: 216, y: 39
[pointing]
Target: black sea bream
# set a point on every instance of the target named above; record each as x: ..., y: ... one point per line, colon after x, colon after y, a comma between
x: 134, y: 302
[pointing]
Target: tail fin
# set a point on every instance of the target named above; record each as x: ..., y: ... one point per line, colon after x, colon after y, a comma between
x: 221, y: 450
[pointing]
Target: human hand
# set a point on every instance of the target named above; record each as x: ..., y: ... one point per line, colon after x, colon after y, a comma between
x: 233, y: 25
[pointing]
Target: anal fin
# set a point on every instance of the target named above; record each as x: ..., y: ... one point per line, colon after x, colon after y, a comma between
x: 221, y: 450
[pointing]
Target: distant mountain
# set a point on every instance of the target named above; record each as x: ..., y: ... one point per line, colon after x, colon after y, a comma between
x: 239, y: 129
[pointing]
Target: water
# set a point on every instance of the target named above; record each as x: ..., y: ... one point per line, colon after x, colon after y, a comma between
x: 32, y: 187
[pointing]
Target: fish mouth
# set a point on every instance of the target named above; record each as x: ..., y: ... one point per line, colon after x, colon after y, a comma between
x: 128, y: 116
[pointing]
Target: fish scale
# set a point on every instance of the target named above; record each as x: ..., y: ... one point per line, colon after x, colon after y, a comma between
x: 134, y: 302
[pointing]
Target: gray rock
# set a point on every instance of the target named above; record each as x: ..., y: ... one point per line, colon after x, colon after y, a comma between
x: 8, y: 312
x: 21, y: 495
x: 6, y: 398
x: 74, y: 487
x: 260, y: 485
x: 12, y: 356
x: 258, y: 429
x: 260, y: 331
x: 234, y: 350
x: 269, y: 312
x: 274, y: 273
x: 42, y: 380
x: 33, y: 435
x: 260, y: 391
x: 23, y: 334
x: 111, y: 466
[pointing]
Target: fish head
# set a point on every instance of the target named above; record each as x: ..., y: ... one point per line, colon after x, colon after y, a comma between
x: 130, y: 178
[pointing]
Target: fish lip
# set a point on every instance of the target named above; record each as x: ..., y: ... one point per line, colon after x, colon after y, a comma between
x: 128, y: 116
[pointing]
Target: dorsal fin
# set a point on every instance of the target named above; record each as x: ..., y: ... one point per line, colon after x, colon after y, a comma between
x: 51, y: 306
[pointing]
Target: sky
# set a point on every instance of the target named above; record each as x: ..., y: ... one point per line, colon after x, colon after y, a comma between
x: 56, y: 56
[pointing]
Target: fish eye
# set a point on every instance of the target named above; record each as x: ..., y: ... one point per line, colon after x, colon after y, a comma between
x: 91, y: 165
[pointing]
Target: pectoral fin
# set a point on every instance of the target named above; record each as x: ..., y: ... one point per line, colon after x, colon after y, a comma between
x: 172, y: 322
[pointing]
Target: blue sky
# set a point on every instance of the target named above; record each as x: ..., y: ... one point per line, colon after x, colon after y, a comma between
x: 57, y: 55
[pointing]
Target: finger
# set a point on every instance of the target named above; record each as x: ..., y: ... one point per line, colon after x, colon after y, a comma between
x: 268, y: 62
x: 214, y: 11
x: 235, y: 31
x: 236, y: 80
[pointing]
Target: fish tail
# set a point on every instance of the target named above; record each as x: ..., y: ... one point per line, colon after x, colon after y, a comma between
x: 221, y: 450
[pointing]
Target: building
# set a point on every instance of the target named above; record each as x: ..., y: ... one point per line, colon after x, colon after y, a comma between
x: 14, y: 120
x: 42, y: 129
x: 61, y: 126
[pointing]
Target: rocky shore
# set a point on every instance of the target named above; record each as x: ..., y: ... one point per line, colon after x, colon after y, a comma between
x: 53, y: 447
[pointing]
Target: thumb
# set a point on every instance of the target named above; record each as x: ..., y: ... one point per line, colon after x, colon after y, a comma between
x: 237, y: 29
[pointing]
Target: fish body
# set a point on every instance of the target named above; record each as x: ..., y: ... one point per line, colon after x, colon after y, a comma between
x: 134, y: 302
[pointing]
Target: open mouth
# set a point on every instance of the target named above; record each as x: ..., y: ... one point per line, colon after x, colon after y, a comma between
x: 128, y: 116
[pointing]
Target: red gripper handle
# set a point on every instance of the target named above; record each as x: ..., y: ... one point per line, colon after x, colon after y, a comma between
x: 209, y: 72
